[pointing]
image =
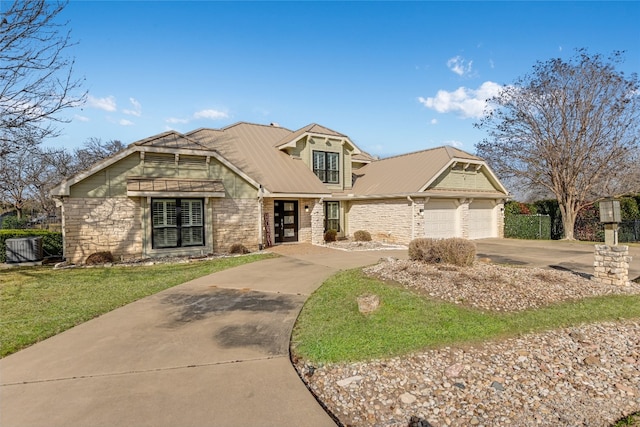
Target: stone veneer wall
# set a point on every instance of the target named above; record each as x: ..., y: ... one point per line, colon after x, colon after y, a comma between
x: 308, y: 222
x: 102, y: 224
x: 386, y: 220
x: 611, y: 265
x: 235, y: 221
x: 317, y: 222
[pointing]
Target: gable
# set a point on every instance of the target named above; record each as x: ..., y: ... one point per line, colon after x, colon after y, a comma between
x: 469, y: 178
x: 110, y: 180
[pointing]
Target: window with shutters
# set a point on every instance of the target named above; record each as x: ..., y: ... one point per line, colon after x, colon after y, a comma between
x: 326, y: 166
x: 177, y: 223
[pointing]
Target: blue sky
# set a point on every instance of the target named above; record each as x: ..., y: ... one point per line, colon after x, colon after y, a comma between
x: 394, y: 76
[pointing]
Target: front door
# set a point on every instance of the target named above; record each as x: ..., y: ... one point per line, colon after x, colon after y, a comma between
x: 285, y: 221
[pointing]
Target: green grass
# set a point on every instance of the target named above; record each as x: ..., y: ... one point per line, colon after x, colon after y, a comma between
x: 331, y: 329
x: 39, y: 302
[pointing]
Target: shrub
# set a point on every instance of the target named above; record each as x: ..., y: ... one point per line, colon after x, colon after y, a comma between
x: 330, y: 235
x: 454, y: 251
x: 97, y: 258
x: 362, y: 236
x: 238, y: 248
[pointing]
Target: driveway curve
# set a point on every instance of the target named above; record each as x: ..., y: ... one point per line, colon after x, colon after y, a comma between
x: 210, y: 352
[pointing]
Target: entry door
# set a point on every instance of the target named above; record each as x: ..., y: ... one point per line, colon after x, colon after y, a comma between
x: 285, y: 221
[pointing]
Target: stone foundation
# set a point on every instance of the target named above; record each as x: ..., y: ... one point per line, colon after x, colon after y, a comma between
x: 611, y: 265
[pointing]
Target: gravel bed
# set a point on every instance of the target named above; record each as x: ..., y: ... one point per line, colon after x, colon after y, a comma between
x: 581, y: 376
x: 494, y: 287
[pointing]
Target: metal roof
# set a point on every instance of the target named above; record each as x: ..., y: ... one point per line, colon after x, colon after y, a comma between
x: 251, y: 148
x: 408, y: 173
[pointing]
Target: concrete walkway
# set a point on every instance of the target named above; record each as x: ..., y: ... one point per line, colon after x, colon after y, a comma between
x: 210, y: 352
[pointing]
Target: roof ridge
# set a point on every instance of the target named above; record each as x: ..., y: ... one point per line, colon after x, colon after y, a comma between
x: 254, y: 124
x: 446, y: 148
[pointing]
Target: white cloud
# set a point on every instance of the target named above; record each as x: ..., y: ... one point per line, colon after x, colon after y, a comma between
x: 458, y: 65
x: 454, y: 143
x: 202, y: 114
x: 434, y: 121
x: 106, y: 104
x: 175, y: 120
x: 125, y: 122
x: 137, y: 108
x: 210, y: 114
x: 469, y: 103
x: 80, y: 118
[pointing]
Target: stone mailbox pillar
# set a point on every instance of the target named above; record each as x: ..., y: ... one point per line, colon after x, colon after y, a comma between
x: 611, y: 265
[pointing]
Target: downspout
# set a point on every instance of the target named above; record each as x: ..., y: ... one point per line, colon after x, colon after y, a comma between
x: 413, y: 217
x: 260, y: 218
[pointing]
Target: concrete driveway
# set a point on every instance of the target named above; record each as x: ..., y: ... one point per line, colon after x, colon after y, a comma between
x: 559, y: 254
x: 210, y: 352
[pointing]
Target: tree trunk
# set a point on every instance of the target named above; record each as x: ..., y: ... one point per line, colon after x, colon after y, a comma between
x: 569, y: 215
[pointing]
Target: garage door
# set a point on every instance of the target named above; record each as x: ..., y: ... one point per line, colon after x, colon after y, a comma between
x: 482, y: 223
x: 441, y: 219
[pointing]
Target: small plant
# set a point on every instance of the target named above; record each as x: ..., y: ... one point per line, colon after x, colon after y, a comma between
x: 362, y: 236
x: 98, y: 258
x: 454, y: 251
x: 238, y: 248
x: 330, y: 235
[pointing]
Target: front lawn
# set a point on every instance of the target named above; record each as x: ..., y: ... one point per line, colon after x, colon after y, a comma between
x: 39, y: 302
x: 331, y: 329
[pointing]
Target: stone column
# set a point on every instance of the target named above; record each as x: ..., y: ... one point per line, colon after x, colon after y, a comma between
x: 612, y: 265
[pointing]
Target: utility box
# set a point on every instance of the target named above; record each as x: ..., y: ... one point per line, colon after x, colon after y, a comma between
x: 24, y: 249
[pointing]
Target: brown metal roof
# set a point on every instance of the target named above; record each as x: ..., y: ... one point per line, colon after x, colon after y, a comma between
x: 407, y: 173
x: 250, y: 147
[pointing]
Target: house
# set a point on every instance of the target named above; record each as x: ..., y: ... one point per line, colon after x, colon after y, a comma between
x: 203, y: 191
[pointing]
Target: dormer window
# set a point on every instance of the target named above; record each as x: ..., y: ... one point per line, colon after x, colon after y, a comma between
x: 326, y: 166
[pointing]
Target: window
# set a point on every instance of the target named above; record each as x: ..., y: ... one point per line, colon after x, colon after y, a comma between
x: 177, y: 223
x: 332, y: 216
x: 325, y: 166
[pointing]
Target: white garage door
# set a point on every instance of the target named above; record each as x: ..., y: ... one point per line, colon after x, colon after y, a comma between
x: 441, y: 219
x: 482, y: 223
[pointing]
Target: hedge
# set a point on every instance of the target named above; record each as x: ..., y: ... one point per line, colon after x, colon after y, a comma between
x: 527, y: 227
x: 51, y: 241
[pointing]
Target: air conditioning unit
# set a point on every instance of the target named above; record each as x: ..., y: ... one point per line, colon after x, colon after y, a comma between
x: 24, y: 249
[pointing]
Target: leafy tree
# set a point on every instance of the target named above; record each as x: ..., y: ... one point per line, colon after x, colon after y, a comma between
x: 36, y: 75
x: 570, y: 127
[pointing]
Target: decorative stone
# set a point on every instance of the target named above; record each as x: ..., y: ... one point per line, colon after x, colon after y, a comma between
x: 454, y: 370
x: 368, y: 303
x: 407, y: 398
x: 496, y: 385
x: 348, y: 381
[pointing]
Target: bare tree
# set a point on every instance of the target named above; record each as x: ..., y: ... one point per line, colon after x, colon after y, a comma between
x: 572, y: 128
x: 36, y: 76
x: 94, y: 150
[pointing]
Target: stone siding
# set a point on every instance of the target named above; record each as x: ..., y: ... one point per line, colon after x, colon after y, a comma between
x: 102, y: 224
x: 235, y: 221
x: 386, y: 220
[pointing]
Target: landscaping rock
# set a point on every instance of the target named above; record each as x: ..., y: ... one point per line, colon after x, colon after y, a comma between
x: 368, y: 303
